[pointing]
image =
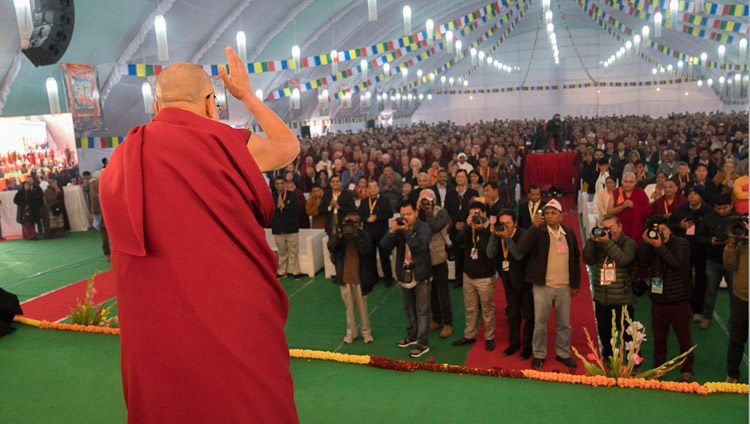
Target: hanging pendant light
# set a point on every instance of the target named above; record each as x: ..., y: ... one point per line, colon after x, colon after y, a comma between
x: 242, y: 46
x: 459, y: 45
x: 449, y: 41
x: 743, y: 49
x: 372, y: 10
x: 363, y: 69
x: 53, y: 96
x: 645, y: 31
x: 407, y: 20
x: 636, y: 43
x: 430, y: 29
x: 160, y: 27
x: 334, y: 62
x: 657, y: 24
x: 674, y: 7
x: 148, y: 97
x: 721, y: 50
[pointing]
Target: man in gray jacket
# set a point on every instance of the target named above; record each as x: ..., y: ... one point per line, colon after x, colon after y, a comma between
x: 439, y: 221
x: 613, y: 256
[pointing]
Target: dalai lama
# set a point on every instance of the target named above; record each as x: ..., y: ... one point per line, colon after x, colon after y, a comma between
x: 201, y: 312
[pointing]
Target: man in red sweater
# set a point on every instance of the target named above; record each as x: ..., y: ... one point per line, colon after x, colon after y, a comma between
x: 201, y: 312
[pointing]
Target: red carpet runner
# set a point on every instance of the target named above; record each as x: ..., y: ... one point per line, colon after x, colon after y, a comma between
x: 55, y: 305
x: 581, y: 315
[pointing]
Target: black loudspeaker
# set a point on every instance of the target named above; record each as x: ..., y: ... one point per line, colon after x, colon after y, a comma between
x: 9, y: 307
x: 53, y: 29
x: 371, y: 124
x: 304, y: 131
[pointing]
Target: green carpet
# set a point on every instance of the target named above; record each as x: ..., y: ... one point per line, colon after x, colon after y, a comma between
x: 30, y: 268
x: 52, y: 376
x: 73, y: 377
x: 317, y: 320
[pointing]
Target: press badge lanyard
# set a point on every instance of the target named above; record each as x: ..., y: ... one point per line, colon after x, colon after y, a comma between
x: 608, y: 275
x: 283, y: 200
x: 506, y: 262
x: 474, y: 251
x: 372, y: 204
x: 532, y: 209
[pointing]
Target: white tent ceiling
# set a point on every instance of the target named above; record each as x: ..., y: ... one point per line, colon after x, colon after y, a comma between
x: 107, y: 31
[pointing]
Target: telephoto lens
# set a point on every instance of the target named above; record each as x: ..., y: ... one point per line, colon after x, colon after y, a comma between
x: 600, y: 231
x: 736, y: 226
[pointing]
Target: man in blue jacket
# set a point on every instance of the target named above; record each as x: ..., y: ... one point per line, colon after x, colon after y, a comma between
x: 411, y: 238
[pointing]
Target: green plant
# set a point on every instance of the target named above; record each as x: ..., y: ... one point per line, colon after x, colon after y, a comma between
x: 625, y: 355
x: 89, y: 313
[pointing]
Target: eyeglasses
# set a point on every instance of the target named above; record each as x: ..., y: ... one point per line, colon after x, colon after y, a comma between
x: 218, y: 106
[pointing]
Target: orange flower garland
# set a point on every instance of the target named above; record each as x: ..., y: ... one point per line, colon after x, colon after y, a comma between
x: 79, y: 328
x: 671, y: 386
x: 596, y: 380
x: 329, y: 356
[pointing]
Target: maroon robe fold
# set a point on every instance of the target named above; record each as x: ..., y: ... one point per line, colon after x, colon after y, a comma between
x: 201, y: 312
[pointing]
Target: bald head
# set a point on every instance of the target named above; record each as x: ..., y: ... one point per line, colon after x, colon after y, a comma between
x: 182, y: 84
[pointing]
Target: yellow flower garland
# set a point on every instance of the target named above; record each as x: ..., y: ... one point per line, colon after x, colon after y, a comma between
x: 329, y: 356
x: 721, y: 387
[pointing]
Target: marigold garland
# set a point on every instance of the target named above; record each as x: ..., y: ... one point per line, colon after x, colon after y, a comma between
x: 329, y: 356
x: 79, y: 328
x: 721, y: 387
x: 672, y: 386
x: 27, y: 321
x: 596, y: 380
x: 411, y: 366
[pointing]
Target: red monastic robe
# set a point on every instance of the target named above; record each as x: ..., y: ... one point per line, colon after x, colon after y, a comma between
x: 633, y: 219
x: 201, y: 312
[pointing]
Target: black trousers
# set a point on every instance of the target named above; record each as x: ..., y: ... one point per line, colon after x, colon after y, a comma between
x: 440, y: 295
x: 604, y: 326
x: 738, y: 328
x: 385, y: 258
x: 520, y: 298
x: 698, y: 296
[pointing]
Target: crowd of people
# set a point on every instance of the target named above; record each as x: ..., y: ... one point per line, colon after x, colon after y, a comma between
x: 668, y: 192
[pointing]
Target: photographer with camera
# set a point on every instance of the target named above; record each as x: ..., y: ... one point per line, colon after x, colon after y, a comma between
x: 554, y: 271
x: 479, y: 282
x: 531, y: 207
x: 510, y: 264
x: 457, y: 204
x: 350, y: 248
x: 711, y: 236
x: 736, y: 261
x: 375, y: 213
x: 411, y: 238
x: 613, y: 256
x: 439, y: 221
x: 667, y: 259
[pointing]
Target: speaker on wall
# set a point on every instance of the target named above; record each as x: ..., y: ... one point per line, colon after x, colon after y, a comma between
x: 53, y: 29
x: 304, y: 131
x: 371, y: 123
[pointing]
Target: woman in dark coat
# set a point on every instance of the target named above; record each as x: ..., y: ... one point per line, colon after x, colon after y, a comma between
x: 55, y: 198
x: 28, y: 207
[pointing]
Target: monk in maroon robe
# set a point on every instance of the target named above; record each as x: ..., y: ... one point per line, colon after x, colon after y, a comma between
x: 201, y: 312
x: 630, y: 204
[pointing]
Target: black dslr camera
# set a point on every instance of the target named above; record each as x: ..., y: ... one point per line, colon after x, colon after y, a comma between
x: 426, y: 201
x: 407, y: 272
x: 601, y: 232
x: 736, y: 226
x: 653, y: 231
x: 478, y: 219
x: 400, y: 222
x: 348, y: 228
x: 499, y: 225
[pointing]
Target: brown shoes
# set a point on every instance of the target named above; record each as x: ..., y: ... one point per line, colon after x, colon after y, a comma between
x: 434, y: 326
x: 447, y: 331
x: 704, y: 324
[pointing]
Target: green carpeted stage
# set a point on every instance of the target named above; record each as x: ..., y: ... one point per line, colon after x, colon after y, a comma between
x: 51, y: 376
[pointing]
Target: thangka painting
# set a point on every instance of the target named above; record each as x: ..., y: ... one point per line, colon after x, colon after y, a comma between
x: 82, y: 92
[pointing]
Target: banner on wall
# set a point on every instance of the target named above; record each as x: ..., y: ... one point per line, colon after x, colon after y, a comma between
x: 82, y: 92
